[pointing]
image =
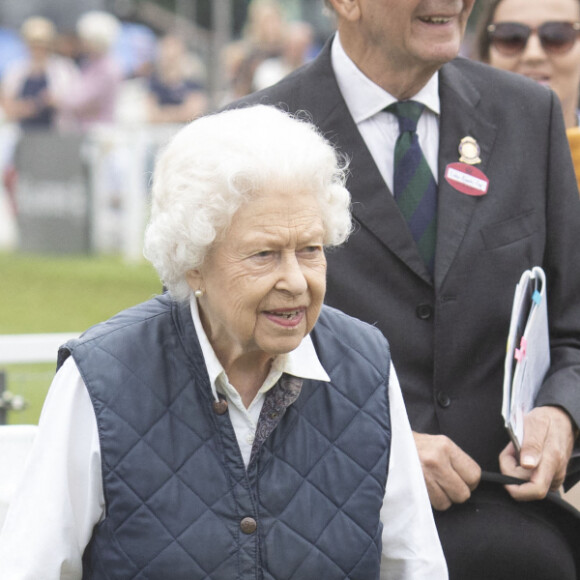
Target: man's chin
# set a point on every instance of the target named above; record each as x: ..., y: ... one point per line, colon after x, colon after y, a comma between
x: 438, y: 52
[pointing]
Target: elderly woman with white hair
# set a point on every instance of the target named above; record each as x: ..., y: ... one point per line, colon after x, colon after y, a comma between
x: 233, y: 427
x: 93, y: 98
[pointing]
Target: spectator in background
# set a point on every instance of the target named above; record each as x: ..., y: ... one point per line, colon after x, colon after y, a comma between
x: 538, y: 39
x: 93, y: 97
x: 265, y: 26
x: 296, y: 50
x: 68, y: 45
x: 135, y: 50
x: 174, y: 95
x: 262, y: 39
x: 29, y: 86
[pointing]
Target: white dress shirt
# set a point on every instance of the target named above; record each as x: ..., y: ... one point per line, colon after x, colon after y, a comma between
x: 60, y: 499
x: 366, y: 100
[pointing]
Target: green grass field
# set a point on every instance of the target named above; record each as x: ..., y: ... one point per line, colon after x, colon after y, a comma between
x: 45, y: 293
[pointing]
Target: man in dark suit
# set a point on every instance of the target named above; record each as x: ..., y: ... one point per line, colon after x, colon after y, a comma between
x: 447, y: 325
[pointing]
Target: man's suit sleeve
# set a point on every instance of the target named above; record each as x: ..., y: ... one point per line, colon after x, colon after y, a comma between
x: 562, y: 384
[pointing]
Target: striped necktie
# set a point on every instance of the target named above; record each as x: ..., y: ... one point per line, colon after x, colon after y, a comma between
x: 414, y: 186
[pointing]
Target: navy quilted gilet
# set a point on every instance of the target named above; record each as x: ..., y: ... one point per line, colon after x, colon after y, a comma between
x: 175, y: 485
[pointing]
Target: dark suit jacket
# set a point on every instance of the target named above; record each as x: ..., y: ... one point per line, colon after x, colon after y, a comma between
x: 448, y: 336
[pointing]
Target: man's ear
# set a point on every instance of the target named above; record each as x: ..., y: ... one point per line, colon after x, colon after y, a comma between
x: 347, y: 9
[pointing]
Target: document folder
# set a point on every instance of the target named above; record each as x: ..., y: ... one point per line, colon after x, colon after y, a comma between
x: 528, y: 351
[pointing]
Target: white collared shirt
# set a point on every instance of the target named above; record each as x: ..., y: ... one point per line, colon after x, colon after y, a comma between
x: 366, y: 100
x: 61, y: 499
x: 301, y: 362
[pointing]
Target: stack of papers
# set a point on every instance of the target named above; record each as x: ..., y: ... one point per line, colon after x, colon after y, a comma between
x: 528, y: 352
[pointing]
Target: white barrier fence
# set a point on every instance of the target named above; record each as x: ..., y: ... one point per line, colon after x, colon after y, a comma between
x: 104, y: 177
x: 25, y: 349
x: 121, y: 160
x: 15, y: 443
x: 32, y: 348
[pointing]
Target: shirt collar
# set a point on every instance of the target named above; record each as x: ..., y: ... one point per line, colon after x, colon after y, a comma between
x: 302, y: 362
x: 363, y: 97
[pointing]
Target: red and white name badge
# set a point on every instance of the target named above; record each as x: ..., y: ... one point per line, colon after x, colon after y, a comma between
x: 467, y: 179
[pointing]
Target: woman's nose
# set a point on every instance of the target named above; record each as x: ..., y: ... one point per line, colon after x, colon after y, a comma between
x: 292, y: 278
x: 534, y: 50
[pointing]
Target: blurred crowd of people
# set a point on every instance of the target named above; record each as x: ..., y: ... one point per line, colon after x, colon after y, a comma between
x: 269, y: 49
x: 108, y: 78
x: 71, y: 81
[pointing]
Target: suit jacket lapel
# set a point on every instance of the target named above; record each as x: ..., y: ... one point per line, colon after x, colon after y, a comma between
x: 459, y: 118
x: 374, y: 206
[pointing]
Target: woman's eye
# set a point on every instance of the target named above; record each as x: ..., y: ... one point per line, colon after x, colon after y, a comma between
x: 263, y: 254
x: 311, y: 249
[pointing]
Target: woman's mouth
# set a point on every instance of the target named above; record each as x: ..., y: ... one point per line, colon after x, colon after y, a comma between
x: 288, y: 318
x: 542, y: 79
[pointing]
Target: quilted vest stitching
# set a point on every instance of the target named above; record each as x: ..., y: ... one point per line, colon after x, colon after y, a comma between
x: 175, y: 484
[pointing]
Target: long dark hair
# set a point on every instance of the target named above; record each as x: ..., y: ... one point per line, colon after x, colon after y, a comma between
x: 482, y: 42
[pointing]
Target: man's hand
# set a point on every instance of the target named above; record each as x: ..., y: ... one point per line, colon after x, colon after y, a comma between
x: 546, y: 449
x: 450, y: 474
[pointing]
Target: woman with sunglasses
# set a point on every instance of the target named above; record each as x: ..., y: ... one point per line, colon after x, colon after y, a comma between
x: 538, y: 39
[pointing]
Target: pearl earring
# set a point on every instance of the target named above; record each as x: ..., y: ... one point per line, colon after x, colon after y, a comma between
x: 198, y: 293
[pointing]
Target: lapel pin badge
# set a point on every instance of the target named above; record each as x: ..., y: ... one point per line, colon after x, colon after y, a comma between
x: 462, y: 175
x: 469, y: 151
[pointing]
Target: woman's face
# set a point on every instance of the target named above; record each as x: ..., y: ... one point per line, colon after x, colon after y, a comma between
x: 264, y: 282
x: 561, y: 72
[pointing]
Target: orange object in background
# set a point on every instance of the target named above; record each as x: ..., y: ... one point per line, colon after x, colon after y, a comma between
x: 574, y: 139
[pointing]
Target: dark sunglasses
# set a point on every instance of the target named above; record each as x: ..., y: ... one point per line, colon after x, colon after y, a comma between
x: 511, y: 38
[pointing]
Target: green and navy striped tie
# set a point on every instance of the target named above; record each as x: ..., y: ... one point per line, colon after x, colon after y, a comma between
x: 414, y: 186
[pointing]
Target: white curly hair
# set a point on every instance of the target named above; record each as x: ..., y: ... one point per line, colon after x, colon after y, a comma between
x: 212, y: 166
